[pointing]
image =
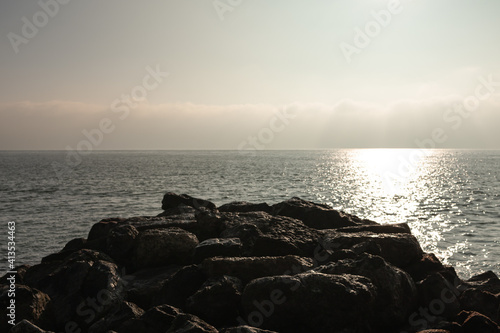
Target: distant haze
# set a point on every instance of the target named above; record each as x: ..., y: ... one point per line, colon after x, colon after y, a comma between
x: 259, y: 74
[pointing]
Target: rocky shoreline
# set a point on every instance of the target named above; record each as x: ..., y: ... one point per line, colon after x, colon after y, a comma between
x: 296, y: 266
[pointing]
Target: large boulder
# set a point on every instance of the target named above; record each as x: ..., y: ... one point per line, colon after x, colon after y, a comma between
x: 162, y: 247
x: 172, y: 200
x: 221, y: 247
x: 400, y: 249
x: 244, y: 207
x: 309, y: 302
x: 438, y: 295
x: 217, y: 301
x: 396, y: 291
x: 123, y: 312
x: 249, y: 268
x: 120, y: 241
x: 487, y: 281
x: 474, y: 322
x: 183, y: 284
x: 315, y: 215
x: 481, y: 301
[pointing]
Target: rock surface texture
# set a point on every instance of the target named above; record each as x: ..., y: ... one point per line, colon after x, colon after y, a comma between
x: 295, y: 266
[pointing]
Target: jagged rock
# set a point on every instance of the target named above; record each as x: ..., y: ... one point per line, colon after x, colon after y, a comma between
x: 249, y: 268
x: 439, y: 296
x: 182, y: 285
x: 399, y: 249
x: 217, y: 301
x: 309, y: 302
x: 481, y: 301
x: 161, y: 247
x: 144, y: 287
x: 172, y: 200
x: 85, y: 282
x: 25, y: 326
x: 30, y: 304
x: 120, y: 241
x: 125, y: 311
x: 244, y: 207
x: 315, y: 215
x: 221, y: 247
x: 474, y: 322
x: 396, y: 291
x: 245, y: 329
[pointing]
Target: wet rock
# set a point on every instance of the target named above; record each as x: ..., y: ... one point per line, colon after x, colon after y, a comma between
x: 249, y: 268
x: 244, y: 207
x: 26, y: 326
x: 30, y: 304
x: 474, y: 322
x: 182, y: 285
x: 315, y: 215
x: 221, y: 247
x: 172, y: 200
x: 481, y: 301
x: 161, y: 247
x: 396, y: 291
x: 125, y: 311
x: 217, y: 301
x: 309, y: 302
x: 399, y: 249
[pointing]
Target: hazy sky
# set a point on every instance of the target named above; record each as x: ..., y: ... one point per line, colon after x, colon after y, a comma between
x: 244, y: 74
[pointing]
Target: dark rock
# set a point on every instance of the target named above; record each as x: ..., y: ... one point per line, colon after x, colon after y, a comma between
x: 25, y: 326
x: 172, y: 200
x: 161, y: 247
x: 182, y: 285
x: 160, y: 318
x: 424, y: 267
x: 249, y: 268
x: 247, y: 233
x: 187, y: 212
x: 31, y: 304
x: 217, y: 301
x: 434, y: 331
x: 439, y: 296
x: 397, y: 228
x: 244, y: 207
x: 315, y: 215
x: 99, y: 232
x: 245, y: 329
x: 222, y: 247
x: 75, y: 245
x: 309, y: 302
x: 481, y: 301
x: 144, y: 287
x: 125, y: 311
x: 120, y: 241
x: 400, y: 249
x: 474, y: 322
x: 185, y: 323
x: 487, y: 281
x: 396, y: 291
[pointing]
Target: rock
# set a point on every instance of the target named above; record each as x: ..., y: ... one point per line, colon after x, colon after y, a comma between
x: 439, y: 296
x: 396, y: 291
x: 315, y: 215
x: 99, y: 232
x: 424, y: 267
x: 249, y: 268
x: 182, y: 285
x: 145, y: 286
x: 120, y: 241
x: 187, y: 212
x: 399, y: 249
x: 75, y: 245
x: 434, y: 331
x: 245, y: 329
x: 309, y: 302
x: 217, y: 301
x: 184, y: 323
x: 244, y: 207
x: 481, y: 301
x: 474, y: 322
x: 397, y: 228
x: 161, y: 247
x: 221, y: 247
x: 31, y: 304
x: 25, y: 326
x: 172, y: 200
x: 125, y: 311
x: 487, y: 281
x: 83, y: 282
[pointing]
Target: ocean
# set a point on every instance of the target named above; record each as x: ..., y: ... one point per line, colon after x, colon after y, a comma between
x: 450, y: 198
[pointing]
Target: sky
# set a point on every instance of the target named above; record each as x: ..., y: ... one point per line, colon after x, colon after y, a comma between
x: 249, y: 74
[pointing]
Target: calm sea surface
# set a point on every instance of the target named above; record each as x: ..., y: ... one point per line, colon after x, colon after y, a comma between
x: 450, y: 198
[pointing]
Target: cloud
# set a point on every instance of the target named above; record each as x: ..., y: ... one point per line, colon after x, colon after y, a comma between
x: 347, y: 123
